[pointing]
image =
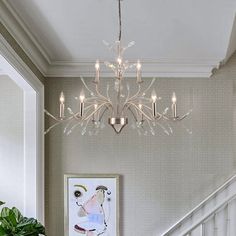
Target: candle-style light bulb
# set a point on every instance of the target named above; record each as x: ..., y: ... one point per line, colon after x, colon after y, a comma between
x: 81, y: 98
x: 139, y: 73
x: 62, y: 98
x: 119, y: 60
x: 95, y: 115
x: 97, y: 68
x: 141, y: 108
x: 154, y: 96
x: 62, y: 105
x: 174, y: 99
x: 174, y: 105
x: 97, y: 65
x: 139, y: 65
x: 154, y: 103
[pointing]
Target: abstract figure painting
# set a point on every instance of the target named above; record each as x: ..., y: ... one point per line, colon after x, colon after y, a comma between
x: 91, y: 205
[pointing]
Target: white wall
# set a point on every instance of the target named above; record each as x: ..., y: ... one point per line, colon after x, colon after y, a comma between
x: 11, y: 143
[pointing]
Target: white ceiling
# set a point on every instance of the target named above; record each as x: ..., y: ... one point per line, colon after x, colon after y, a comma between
x: 168, y: 32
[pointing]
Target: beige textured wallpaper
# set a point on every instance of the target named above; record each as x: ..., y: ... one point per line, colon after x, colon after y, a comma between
x: 162, y: 177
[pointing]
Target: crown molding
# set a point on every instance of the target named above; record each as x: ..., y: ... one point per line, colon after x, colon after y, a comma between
x: 161, y: 68
x: 23, y: 37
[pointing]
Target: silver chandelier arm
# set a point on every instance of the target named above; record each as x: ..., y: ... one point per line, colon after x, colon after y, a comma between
x: 185, y: 115
x: 58, y: 123
x: 136, y: 107
x: 163, y: 128
x: 85, y: 127
x: 67, y: 126
x: 99, y: 107
x: 150, y: 85
x: 72, y: 128
x: 101, y: 116
x: 74, y: 115
x: 130, y: 44
x: 100, y: 95
x: 52, y: 116
x: 132, y: 112
x: 107, y: 92
x: 51, y: 127
x: 150, y: 127
x: 128, y: 92
x: 177, y: 118
x: 134, y: 96
x: 86, y: 86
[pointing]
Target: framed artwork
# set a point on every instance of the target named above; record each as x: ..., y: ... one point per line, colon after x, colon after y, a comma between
x: 91, y: 205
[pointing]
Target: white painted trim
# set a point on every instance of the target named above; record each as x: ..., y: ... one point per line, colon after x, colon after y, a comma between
x: 30, y: 153
x: 208, y: 214
x: 199, y: 206
x: 10, y: 55
x: 232, y: 42
x: 24, y: 38
x: 162, y: 68
x: 33, y: 89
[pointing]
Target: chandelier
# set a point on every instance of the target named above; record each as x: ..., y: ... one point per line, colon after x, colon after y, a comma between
x: 118, y: 106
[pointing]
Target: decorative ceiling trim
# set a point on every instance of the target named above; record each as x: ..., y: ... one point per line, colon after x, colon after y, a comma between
x: 35, y: 51
x: 23, y: 36
x: 232, y: 42
x: 163, y: 68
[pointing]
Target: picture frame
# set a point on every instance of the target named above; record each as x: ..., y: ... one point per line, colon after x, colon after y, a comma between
x: 91, y: 206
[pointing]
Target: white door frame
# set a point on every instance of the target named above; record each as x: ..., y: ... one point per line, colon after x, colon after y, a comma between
x: 33, y: 129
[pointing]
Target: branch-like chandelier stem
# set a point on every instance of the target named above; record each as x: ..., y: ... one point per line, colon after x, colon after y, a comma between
x: 118, y: 99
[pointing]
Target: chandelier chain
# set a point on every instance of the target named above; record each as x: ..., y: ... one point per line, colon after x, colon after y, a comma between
x: 119, y: 2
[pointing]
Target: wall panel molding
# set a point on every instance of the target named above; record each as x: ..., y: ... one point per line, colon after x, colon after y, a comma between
x: 13, y: 66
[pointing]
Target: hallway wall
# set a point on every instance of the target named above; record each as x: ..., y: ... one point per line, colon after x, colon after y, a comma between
x: 162, y: 177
